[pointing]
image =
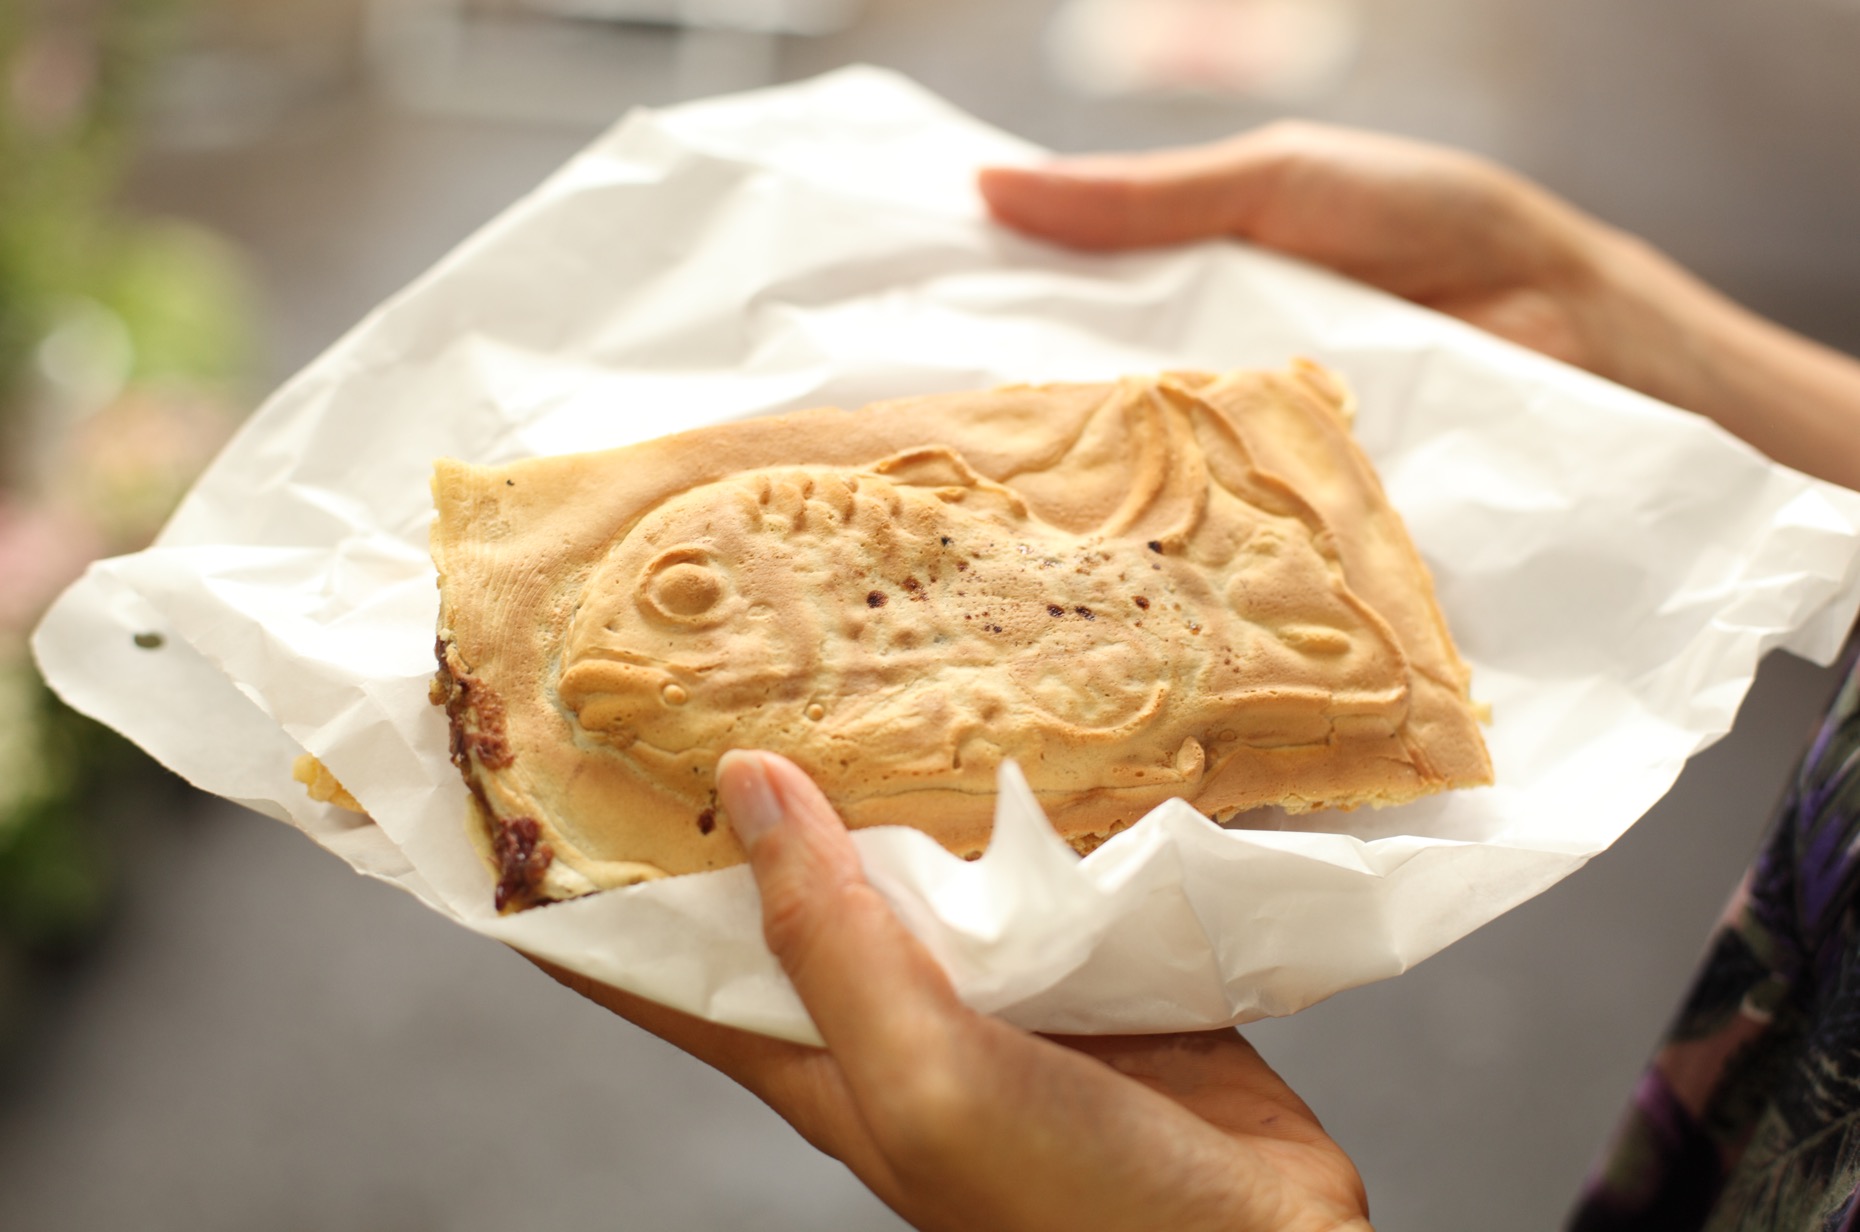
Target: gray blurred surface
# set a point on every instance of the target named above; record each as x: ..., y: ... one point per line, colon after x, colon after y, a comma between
x: 269, y: 1041
x: 273, y: 1042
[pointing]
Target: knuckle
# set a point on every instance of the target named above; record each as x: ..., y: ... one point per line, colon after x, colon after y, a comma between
x: 926, y: 1121
x: 788, y: 921
x: 1290, y: 133
x: 1290, y: 143
x: 803, y: 892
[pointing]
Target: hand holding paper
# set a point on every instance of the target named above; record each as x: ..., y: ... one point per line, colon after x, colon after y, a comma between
x: 882, y: 1100
x: 1475, y: 241
x: 958, y: 1120
x: 1429, y: 224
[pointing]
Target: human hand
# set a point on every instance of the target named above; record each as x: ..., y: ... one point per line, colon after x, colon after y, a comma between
x: 1470, y: 239
x: 959, y: 1121
x: 1429, y: 224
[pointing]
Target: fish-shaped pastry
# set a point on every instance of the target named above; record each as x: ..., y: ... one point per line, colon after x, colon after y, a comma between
x: 1182, y: 586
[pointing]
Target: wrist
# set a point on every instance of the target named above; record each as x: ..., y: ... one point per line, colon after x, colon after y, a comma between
x: 1645, y: 323
x: 1656, y: 328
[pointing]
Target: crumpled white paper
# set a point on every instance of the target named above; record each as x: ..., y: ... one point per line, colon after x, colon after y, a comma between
x: 1613, y: 569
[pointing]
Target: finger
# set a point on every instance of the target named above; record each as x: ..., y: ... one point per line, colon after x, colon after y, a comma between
x: 1105, y: 202
x: 880, y: 1001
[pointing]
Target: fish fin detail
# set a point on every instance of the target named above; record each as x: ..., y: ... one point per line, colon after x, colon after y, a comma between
x: 950, y: 477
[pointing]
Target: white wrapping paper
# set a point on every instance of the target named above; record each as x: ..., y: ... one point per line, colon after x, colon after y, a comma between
x: 1612, y: 568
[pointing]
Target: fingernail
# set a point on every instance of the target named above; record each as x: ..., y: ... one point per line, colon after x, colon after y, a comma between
x: 749, y: 798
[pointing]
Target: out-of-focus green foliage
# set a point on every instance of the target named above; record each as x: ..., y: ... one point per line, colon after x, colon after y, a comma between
x: 71, y: 73
x: 181, y: 293
x: 56, y: 867
x: 123, y: 342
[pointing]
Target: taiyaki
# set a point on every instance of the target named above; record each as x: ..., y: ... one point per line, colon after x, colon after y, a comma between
x: 1178, y: 586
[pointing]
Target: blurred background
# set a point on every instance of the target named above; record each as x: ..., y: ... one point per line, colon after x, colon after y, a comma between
x: 207, y: 1023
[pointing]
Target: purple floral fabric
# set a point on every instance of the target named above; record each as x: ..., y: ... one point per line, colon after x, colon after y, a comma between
x: 1748, y: 1118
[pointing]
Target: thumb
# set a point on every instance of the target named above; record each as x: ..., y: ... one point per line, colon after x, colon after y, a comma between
x: 1106, y: 202
x: 869, y: 985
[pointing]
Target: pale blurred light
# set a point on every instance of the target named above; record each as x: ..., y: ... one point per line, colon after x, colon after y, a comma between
x: 528, y: 60
x: 248, y: 67
x: 244, y: 67
x: 805, y: 17
x: 86, y: 358
x: 1281, y: 51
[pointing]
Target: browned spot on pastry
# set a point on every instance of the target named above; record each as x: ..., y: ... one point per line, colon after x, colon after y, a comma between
x: 474, y: 712
x: 1085, y: 844
x: 1086, y: 612
x: 875, y: 598
x: 1143, y: 603
x: 522, y: 859
x: 1053, y: 609
x: 707, y: 821
x: 478, y: 744
x: 1156, y: 546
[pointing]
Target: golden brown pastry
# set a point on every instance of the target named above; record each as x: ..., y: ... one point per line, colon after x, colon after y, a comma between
x: 1187, y: 586
x: 322, y: 786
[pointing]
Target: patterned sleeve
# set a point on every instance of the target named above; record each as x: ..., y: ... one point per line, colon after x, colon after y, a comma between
x: 1745, y: 1118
